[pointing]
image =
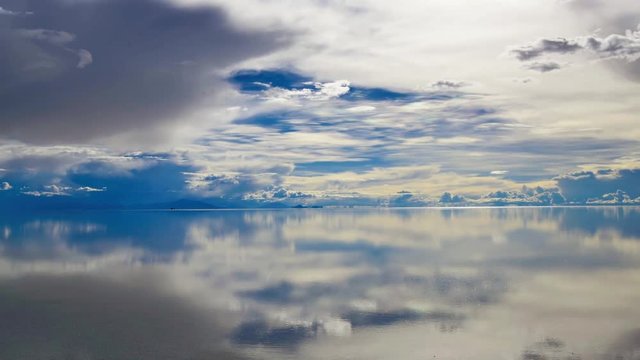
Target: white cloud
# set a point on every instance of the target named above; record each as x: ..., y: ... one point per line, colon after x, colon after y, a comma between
x: 361, y: 109
x: 4, y: 11
x: 55, y: 37
x: 4, y: 186
x: 320, y: 91
x: 90, y: 189
x: 84, y: 58
x: 614, y: 46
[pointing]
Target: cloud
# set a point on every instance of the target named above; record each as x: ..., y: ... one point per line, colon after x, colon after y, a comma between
x: 448, y: 198
x: 5, y: 186
x: 50, y: 190
x: 249, y: 80
x: 90, y: 189
x: 614, y: 46
x: 51, y: 36
x: 131, y: 54
x: 499, y: 172
x: 285, y: 84
x: 408, y: 199
x: 84, y: 58
x: 618, y: 198
x: 151, y: 182
x: 4, y: 11
x: 358, y: 93
x: 448, y: 84
x: 600, y: 186
x: 316, y: 91
x: 545, y: 46
x: 544, y: 67
x: 277, y: 194
x: 525, y: 197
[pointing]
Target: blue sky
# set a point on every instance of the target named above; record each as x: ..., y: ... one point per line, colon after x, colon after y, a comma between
x: 251, y: 103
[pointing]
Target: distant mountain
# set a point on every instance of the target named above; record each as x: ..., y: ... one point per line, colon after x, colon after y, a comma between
x: 182, y: 204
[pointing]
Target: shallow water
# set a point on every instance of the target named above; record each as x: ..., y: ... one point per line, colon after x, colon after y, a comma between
x: 517, y: 283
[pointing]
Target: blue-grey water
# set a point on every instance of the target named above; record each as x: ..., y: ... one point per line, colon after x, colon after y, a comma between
x: 401, y: 284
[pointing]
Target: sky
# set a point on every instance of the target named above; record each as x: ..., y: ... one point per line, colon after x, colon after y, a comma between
x: 268, y: 103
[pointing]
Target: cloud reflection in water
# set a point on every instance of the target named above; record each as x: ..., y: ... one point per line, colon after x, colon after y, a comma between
x: 369, y: 284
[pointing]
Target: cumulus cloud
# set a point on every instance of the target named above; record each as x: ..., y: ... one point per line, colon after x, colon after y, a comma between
x: 614, y: 46
x: 618, y: 198
x: 602, y: 185
x: 525, y: 197
x: 4, y: 186
x: 317, y: 91
x: 131, y: 55
x: 448, y: 198
x: 409, y: 199
x: 277, y: 194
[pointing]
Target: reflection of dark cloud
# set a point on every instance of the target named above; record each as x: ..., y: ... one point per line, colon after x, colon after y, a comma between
x: 259, y: 332
x: 547, y: 349
x: 289, y: 336
x: 625, y: 347
x: 372, y: 252
x: 34, y: 236
x: 624, y: 220
x: 82, y: 317
x: 383, y: 318
x: 281, y: 293
x: 475, y: 290
x: 150, y: 62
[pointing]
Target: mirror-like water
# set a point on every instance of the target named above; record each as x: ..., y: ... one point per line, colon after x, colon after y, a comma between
x: 526, y: 283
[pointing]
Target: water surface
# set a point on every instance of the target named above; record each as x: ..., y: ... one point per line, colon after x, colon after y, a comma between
x: 517, y: 283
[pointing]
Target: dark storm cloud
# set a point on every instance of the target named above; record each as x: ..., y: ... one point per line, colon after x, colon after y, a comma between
x: 585, y: 185
x: 77, y: 70
x: 157, y: 182
x: 86, y: 317
x: 260, y: 332
x: 129, y: 181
